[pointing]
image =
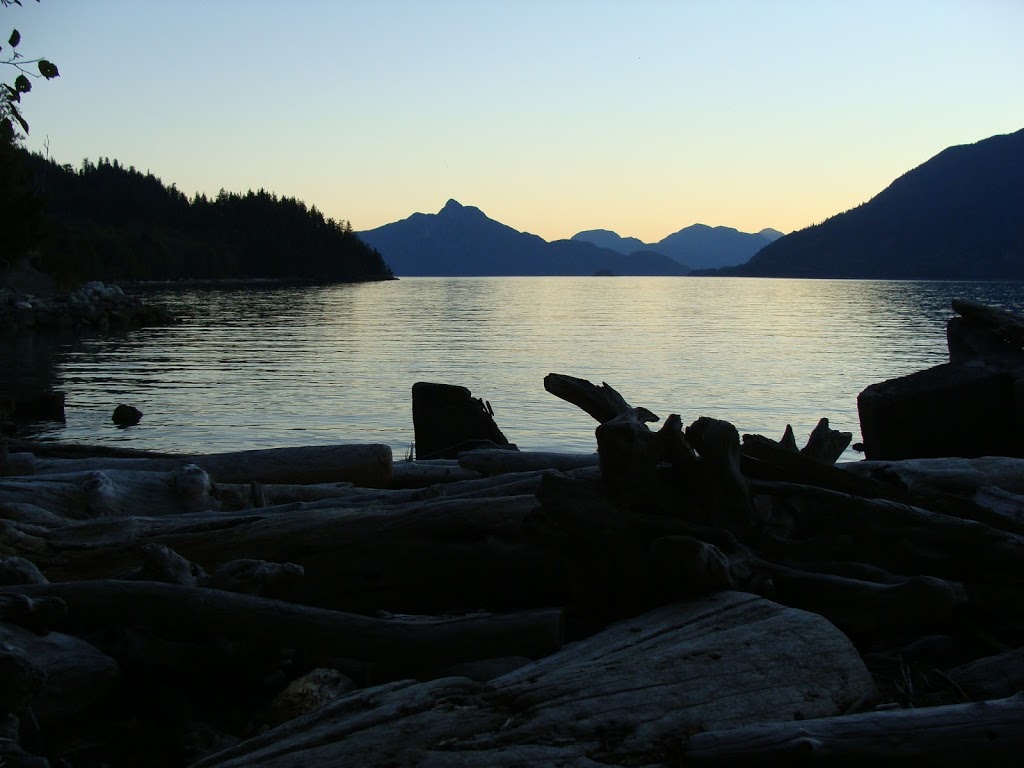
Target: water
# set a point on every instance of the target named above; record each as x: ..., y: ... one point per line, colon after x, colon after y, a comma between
x: 253, y: 368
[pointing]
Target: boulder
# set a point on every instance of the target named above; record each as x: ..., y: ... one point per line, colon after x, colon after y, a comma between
x: 965, y: 409
x: 127, y: 415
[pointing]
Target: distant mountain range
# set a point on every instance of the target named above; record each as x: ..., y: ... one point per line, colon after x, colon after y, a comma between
x: 460, y: 240
x: 958, y: 216
x: 699, y: 246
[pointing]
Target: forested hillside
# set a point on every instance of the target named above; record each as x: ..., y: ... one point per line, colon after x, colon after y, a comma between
x: 104, y: 221
x: 955, y: 217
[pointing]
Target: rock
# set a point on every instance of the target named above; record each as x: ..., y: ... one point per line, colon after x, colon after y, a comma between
x: 127, y: 415
x: 954, y: 409
x: 448, y: 420
x: 48, y: 406
x: 309, y: 692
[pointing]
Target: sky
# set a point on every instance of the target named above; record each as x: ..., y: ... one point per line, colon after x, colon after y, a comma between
x: 552, y: 116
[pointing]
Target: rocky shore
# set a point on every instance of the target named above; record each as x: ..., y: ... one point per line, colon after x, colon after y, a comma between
x: 91, y: 306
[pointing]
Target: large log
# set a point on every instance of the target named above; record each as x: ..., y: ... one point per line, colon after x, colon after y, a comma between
x: 366, y: 465
x: 114, y: 493
x: 496, y: 461
x: 199, y: 612
x: 897, y: 537
x: 410, y: 558
x: 983, y: 733
x: 627, y: 696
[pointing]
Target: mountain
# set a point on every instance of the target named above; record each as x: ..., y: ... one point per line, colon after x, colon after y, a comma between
x: 958, y: 216
x: 704, y: 247
x: 699, y: 246
x: 605, y: 238
x: 460, y: 240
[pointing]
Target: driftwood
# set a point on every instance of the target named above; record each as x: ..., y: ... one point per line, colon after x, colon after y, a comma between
x: 74, y: 674
x: 497, y: 461
x: 408, y: 558
x: 114, y: 493
x: 422, y: 474
x: 215, y: 613
x: 366, y: 465
x: 985, y: 733
x: 722, y: 661
x: 825, y: 444
x: 676, y: 538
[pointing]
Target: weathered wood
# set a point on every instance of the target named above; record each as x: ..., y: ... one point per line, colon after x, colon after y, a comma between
x: 260, y: 621
x: 601, y: 402
x: 779, y: 463
x: 114, y: 493
x: 422, y: 474
x: 447, y: 419
x: 825, y: 444
x: 951, y: 474
x: 726, y: 660
x: 497, y: 462
x: 991, y: 677
x: 897, y: 537
x: 408, y: 557
x: 983, y: 733
x: 718, y: 444
x: 867, y: 610
x: 75, y: 675
x: 365, y: 465
x: 628, y: 458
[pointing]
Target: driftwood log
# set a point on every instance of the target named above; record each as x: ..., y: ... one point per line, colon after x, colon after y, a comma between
x: 366, y: 465
x: 703, y: 583
x: 983, y: 733
x: 727, y: 660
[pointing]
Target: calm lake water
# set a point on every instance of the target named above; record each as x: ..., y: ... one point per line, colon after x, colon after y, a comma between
x: 253, y: 368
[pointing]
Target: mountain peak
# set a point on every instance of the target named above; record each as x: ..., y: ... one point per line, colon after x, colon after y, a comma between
x: 454, y: 209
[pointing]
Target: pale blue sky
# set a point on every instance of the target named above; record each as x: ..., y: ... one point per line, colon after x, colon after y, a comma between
x: 552, y: 116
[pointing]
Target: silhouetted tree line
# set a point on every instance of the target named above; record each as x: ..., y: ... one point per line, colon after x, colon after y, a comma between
x: 105, y: 221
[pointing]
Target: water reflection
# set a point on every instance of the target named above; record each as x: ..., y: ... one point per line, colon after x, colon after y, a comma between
x: 285, y: 366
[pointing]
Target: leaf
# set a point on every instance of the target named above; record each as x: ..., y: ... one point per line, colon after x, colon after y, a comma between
x: 48, y: 69
x: 14, y: 39
x: 22, y: 84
